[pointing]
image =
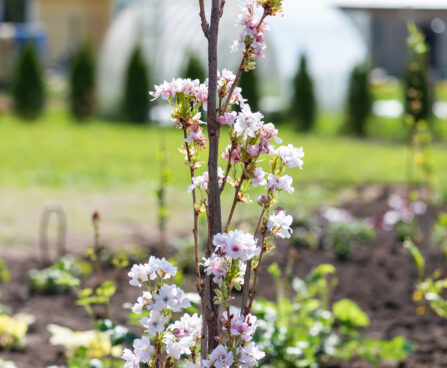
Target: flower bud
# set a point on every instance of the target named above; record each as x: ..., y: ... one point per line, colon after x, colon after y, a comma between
x: 262, y: 200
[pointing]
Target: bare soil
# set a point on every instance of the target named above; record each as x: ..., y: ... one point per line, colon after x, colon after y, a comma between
x: 380, y: 277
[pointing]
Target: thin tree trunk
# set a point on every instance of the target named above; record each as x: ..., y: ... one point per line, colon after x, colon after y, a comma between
x: 212, y: 309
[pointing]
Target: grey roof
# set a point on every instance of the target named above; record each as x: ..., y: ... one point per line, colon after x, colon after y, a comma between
x: 391, y: 4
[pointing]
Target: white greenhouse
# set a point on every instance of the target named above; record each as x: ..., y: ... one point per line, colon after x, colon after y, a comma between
x: 168, y: 30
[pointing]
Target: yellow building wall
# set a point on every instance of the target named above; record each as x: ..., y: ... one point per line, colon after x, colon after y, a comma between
x: 70, y: 22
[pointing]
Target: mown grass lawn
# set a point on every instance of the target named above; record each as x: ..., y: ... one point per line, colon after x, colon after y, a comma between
x: 112, y: 167
x: 54, y: 151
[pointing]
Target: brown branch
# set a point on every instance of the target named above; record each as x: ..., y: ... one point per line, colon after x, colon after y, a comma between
x: 247, y: 275
x: 227, y: 171
x: 241, y: 69
x: 199, y: 285
x: 256, y: 270
x: 222, y: 5
x: 96, y: 262
x: 205, y: 25
x: 235, y: 201
x: 228, y: 326
x: 233, y: 86
x: 210, y: 238
x: 158, y: 357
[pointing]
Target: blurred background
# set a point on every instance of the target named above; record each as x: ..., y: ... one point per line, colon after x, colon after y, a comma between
x: 77, y: 127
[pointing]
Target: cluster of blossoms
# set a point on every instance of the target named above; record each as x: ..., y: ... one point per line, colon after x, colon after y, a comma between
x: 167, y: 341
x: 191, y: 89
x: 252, y: 37
x: 157, y: 304
x: 186, y: 97
x: 202, y: 181
x: 225, y: 81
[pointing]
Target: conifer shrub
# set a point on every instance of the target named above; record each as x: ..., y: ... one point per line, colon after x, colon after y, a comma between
x: 28, y: 88
x: 249, y: 83
x: 82, y: 84
x: 358, y: 101
x: 194, y: 68
x: 136, y: 98
x: 303, y: 104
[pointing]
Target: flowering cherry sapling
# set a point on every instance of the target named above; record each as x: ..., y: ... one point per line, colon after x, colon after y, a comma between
x: 222, y: 337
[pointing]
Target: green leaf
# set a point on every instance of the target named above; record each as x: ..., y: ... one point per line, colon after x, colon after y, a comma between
x: 107, y: 289
x: 319, y: 272
x: 417, y: 256
x: 85, y: 293
x: 274, y: 270
x: 349, y: 313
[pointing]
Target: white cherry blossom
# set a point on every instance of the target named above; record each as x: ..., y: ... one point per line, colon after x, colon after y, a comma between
x: 279, y: 224
x: 131, y: 359
x: 280, y: 183
x: 291, y: 156
x: 143, y: 349
x: 155, y: 323
x: 219, y: 358
x: 259, y: 178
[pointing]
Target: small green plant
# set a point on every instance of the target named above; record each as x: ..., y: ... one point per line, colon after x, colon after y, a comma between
x: 429, y: 291
x: 307, y: 330
x: 101, y: 346
x: 28, y: 89
x: 344, y: 232
x: 439, y: 236
x: 61, y: 277
x: 303, y: 104
x: 359, y: 101
x: 194, y: 68
x: 13, y: 330
x: 249, y: 83
x: 82, y: 84
x: 136, y: 102
x: 106, y: 288
x: 5, y: 276
x: 344, y: 237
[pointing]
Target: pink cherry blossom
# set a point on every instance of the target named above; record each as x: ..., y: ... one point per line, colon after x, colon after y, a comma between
x: 237, y: 245
x: 243, y: 326
x: 217, y: 266
x: 196, y: 136
x: 235, y: 154
x: 228, y: 118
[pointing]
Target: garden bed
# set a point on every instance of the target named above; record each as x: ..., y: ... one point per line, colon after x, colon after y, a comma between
x: 380, y: 277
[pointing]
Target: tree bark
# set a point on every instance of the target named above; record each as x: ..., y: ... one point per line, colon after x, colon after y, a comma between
x: 215, y: 217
